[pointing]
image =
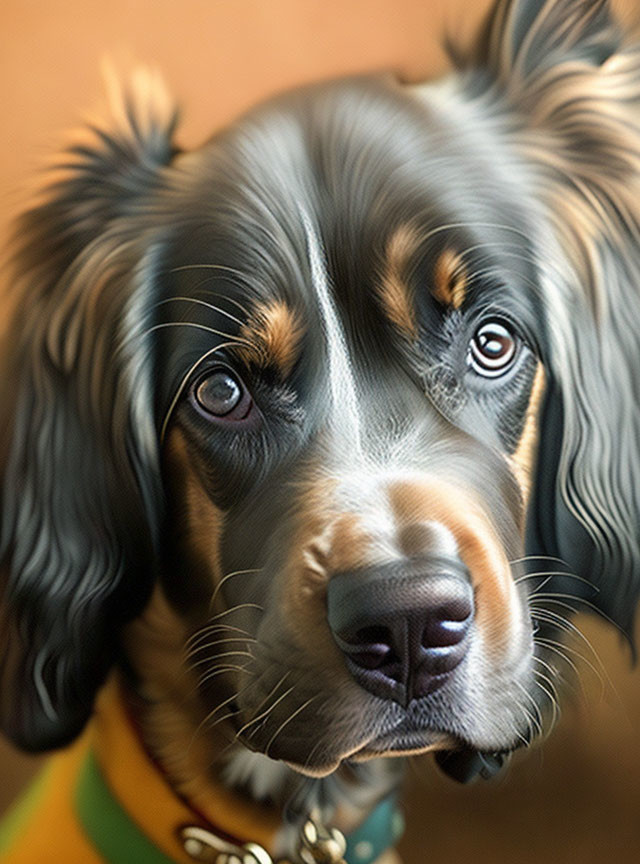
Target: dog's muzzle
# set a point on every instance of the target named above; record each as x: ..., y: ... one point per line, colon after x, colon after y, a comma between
x: 404, y: 626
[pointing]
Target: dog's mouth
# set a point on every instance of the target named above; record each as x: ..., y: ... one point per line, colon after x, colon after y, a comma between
x: 405, y: 739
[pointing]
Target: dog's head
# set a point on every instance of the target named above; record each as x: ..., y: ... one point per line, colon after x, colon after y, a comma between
x: 352, y: 386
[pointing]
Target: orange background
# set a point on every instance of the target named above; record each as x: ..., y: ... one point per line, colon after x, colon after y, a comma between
x: 575, y: 798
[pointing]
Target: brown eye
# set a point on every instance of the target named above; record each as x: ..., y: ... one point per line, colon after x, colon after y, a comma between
x: 492, y: 349
x: 221, y: 394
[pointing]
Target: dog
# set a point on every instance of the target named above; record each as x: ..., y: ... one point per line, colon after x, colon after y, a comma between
x: 314, y: 439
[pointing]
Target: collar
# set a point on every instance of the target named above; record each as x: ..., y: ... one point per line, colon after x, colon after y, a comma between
x: 130, y: 812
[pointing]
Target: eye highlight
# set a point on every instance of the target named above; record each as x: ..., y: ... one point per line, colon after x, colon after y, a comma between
x: 492, y: 349
x: 221, y: 395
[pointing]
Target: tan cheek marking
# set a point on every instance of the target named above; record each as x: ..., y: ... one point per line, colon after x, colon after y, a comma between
x: 154, y: 644
x: 479, y: 547
x: 450, y: 279
x: 273, y: 333
x: 522, y: 459
x: 171, y: 721
x: 394, y: 293
x: 202, y: 521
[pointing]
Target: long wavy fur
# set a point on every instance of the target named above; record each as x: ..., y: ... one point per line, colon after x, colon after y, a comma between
x: 564, y: 83
x: 82, y: 493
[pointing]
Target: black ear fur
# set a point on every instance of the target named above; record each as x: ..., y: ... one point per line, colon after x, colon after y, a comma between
x: 581, y: 146
x: 553, y: 531
x: 80, y: 489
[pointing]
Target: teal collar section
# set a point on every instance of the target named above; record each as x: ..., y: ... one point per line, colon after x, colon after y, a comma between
x: 380, y: 831
x: 118, y: 840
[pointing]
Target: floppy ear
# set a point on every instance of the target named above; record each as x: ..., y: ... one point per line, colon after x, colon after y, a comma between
x: 80, y: 487
x: 569, y: 83
x: 561, y: 89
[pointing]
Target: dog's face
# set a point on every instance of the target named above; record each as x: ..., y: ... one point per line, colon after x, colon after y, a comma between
x: 358, y: 451
x: 344, y: 385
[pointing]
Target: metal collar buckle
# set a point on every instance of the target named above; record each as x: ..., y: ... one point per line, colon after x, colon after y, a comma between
x: 318, y: 845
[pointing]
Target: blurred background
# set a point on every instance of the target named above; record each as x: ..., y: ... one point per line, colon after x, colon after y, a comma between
x: 576, y: 797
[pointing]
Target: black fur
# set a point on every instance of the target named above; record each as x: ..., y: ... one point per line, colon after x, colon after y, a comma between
x: 83, y: 502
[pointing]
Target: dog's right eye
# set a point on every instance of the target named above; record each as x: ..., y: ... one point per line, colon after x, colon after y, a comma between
x: 221, y: 394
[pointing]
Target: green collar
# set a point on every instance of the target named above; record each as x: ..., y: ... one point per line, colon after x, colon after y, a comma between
x: 119, y: 840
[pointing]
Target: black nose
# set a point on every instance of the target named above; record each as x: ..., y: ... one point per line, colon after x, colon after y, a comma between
x: 402, y: 626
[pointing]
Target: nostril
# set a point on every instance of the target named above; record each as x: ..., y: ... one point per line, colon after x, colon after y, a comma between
x: 448, y: 624
x: 403, y: 627
x: 441, y: 634
x: 372, y: 657
x: 373, y: 635
x: 369, y: 647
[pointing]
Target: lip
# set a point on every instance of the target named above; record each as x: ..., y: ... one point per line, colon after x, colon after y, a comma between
x: 403, y: 739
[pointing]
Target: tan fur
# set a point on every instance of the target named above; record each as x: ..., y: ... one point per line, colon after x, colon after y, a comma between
x: 394, y: 291
x: 203, y: 521
x: 450, y: 279
x: 141, y: 93
x: 327, y: 542
x: 155, y: 645
x: 479, y: 548
x: 522, y: 459
x: 272, y: 335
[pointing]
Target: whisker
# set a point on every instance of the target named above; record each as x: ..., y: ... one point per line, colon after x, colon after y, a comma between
x: 298, y: 710
x: 526, y: 558
x: 274, y: 689
x: 265, y: 713
x: 562, y: 623
x: 208, y: 645
x: 166, y: 324
x: 551, y: 670
x: 212, y: 628
x: 199, y: 302
x: 220, y: 670
x: 229, y: 576
x: 559, y: 648
x: 219, y: 267
x: 245, y: 311
x: 185, y: 380
x: 537, y: 719
x: 195, y: 664
x: 551, y: 573
x: 236, y: 607
x: 552, y: 700
x: 551, y: 597
x: 206, y: 721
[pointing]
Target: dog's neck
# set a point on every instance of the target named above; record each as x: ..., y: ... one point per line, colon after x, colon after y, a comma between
x: 203, y: 761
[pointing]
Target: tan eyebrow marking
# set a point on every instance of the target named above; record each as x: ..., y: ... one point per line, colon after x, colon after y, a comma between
x: 274, y: 332
x: 522, y: 459
x: 394, y: 292
x: 450, y: 279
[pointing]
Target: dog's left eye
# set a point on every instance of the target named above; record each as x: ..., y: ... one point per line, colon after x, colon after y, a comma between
x: 493, y: 349
x: 221, y: 394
